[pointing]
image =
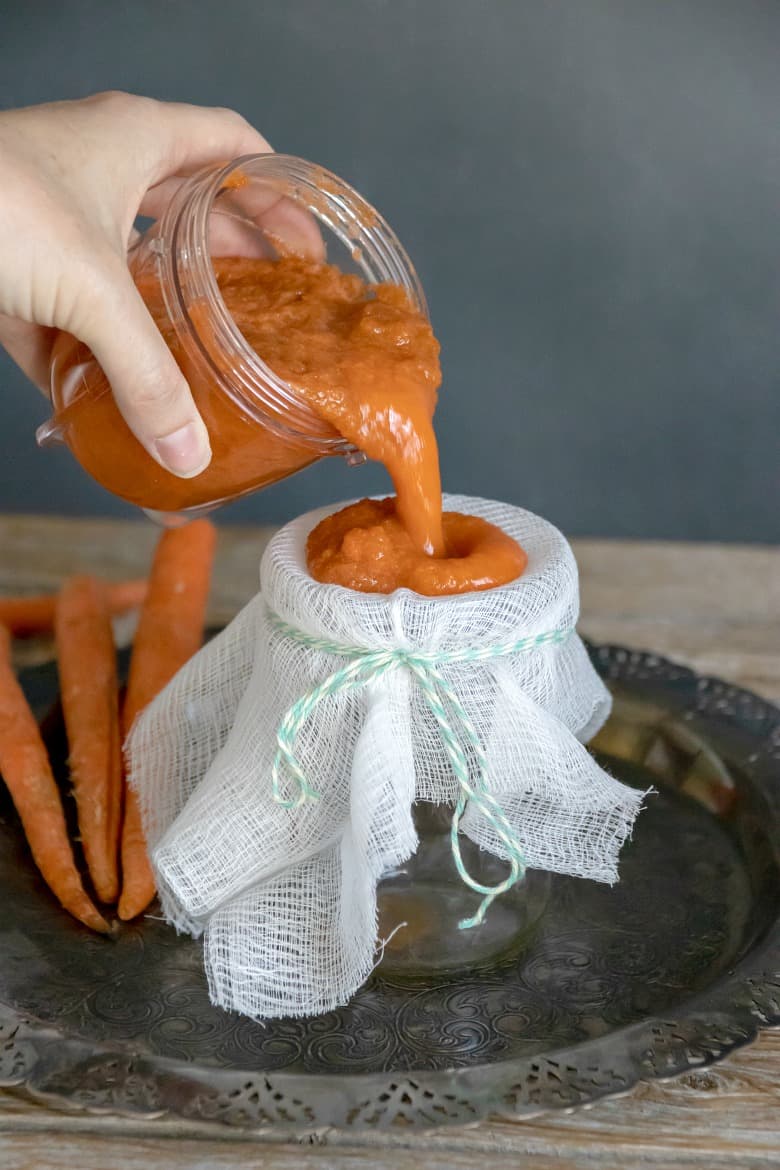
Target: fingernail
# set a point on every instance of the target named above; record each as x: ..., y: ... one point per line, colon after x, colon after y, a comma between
x: 185, y: 452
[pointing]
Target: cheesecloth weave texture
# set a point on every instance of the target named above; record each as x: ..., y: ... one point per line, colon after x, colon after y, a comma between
x: 286, y: 897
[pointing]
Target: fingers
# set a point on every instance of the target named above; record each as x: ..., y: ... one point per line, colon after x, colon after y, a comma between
x: 163, y: 138
x: 30, y: 347
x: 255, y: 220
x: 229, y: 234
x: 289, y: 226
x: 148, y: 386
x: 192, y: 136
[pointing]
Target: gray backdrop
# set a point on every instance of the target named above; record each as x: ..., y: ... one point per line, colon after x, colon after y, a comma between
x: 589, y: 189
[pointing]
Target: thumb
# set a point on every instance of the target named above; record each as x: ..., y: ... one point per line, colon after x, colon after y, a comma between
x: 150, y: 389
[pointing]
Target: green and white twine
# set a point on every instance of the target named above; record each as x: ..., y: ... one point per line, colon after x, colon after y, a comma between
x: 365, y: 666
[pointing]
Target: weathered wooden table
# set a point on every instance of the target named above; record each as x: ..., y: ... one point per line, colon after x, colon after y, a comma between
x: 716, y: 608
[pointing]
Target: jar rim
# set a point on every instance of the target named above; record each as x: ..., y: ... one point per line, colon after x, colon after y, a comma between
x: 188, y: 274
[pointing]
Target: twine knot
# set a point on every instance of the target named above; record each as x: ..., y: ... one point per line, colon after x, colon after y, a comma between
x: 364, y: 666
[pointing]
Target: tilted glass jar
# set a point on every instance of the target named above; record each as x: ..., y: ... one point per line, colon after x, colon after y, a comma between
x: 261, y: 428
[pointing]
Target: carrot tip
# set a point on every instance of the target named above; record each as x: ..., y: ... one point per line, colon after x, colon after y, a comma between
x: 97, y: 923
x: 128, y: 908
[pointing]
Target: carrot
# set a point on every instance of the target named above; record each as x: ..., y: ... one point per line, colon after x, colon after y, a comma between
x: 27, y: 616
x: 89, y: 692
x: 25, y: 767
x: 170, y: 631
x: 122, y: 596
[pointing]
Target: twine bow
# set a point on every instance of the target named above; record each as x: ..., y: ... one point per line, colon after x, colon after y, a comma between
x: 365, y: 666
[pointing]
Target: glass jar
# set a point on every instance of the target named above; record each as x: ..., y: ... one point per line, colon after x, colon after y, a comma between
x: 261, y: 428
x: 421, y: 904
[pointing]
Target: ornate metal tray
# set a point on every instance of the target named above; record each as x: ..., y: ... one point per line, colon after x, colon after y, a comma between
x: 672, y: 968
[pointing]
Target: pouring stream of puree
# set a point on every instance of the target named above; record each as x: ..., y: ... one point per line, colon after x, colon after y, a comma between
x: 366, y: 361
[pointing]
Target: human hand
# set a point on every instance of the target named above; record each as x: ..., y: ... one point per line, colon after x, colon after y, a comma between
x: 75, y: 176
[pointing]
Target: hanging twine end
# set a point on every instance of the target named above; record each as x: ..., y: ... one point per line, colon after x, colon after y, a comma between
x: 305, y: 791
x: 517, y: 875
x: 476, y: 920
x: 300, y: 800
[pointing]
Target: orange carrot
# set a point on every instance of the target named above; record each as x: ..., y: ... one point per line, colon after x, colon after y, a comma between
x: 25, y: 767
x: 27, y: 616
x: 170, y: 631
x: 122, y: 596
x: 89, y: 691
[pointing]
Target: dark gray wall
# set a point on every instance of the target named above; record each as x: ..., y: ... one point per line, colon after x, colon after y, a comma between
x: 589, y: 188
